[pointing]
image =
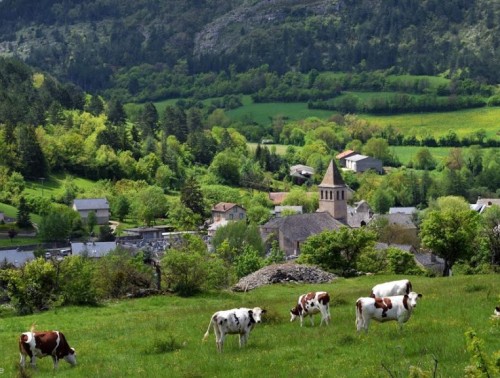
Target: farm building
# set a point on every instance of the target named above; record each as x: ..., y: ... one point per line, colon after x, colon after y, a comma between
x: 343, y: 155
x: 228, y: 211
x: 99, y: 206
x: 361, y: 163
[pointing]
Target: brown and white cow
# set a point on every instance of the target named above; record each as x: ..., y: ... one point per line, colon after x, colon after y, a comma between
x: 41, y: 344
x: 236, y: 321
x: 389, y: 289
x: 399, y: 307
x: 310, y: 304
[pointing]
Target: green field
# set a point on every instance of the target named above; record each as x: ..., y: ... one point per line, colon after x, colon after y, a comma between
x: 263, y: 113
x: 162, y: 336
x: 463, y: 122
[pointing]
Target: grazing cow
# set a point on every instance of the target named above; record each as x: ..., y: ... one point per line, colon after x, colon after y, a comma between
x: 236, y: 321
x: 310, y: 304
x: 389, y: 289
x: 398, y: 308
x: 41, y: 344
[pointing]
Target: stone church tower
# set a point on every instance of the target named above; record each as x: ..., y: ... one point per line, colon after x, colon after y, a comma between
x: 333, y: 194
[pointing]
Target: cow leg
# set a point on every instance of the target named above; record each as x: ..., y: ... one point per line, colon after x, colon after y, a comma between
x: 22, y: 362
x: 33, y: 361
x: 220, y: 342
x: 301, y: 320
x: 55, y: 360
x: 243, y: 339
x: 312, y: 320
x: 325, y: 316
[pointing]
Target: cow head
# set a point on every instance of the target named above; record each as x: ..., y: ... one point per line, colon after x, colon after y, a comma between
x: 410, y: 300
x: 256, y: 314
x: 71, y: 357
x: 296, y: 311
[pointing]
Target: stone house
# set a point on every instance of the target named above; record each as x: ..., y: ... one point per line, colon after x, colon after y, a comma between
x: 228, y: 211
x: 99, y: 206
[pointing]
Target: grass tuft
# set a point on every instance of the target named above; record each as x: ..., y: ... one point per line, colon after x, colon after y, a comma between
x: 165, y: 346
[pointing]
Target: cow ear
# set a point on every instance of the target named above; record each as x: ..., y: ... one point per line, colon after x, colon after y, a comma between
x: 420, y: 295
x: 250, y: 312
x: 264, y: 311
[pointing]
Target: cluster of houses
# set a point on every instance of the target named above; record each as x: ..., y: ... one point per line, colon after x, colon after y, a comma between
x: 290, y: 231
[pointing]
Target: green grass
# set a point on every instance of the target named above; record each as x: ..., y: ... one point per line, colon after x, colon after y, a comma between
x: 263, y: 113
x: 462, y: 122
x: 162, y: 336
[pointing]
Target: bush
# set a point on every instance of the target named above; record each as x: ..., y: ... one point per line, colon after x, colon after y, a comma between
x: 186, y: 268
x: 401, y: 262
x: 32, y: 288
x: 119, y: 273
x: 76, y: 281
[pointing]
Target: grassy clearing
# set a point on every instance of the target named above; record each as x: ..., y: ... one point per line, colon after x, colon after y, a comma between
x: 463, y: 122
x: 263, y: 113
x: 161, y: 336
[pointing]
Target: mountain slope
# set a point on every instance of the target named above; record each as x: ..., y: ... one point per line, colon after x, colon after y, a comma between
x: 87, y: 42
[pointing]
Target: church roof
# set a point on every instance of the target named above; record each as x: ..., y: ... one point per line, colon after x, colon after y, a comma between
x: 332, y: 176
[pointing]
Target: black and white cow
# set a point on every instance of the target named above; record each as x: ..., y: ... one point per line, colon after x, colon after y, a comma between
x: 310, y: 304
x: 236, y: 321
x: 399, y: 307
x: 41, y: 344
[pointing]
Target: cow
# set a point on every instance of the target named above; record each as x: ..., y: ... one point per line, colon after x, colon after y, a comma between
x: 236, y: 321
x: 399, y: 307
x: 389, y: 289
x: 310, y: 304
x: 47, y: 343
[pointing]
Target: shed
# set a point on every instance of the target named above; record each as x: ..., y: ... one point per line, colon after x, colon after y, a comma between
x: 361, y: 163
x: 99, y: 206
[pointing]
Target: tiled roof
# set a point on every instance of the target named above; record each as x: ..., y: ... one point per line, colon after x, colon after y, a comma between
x: 345, y: 154
x: 277, y: 197
x: 222, y: 207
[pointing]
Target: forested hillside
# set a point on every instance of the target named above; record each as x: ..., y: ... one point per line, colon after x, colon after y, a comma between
x: 97, y: 43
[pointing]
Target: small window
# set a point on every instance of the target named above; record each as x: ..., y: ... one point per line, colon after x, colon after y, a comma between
x: 342, y: 194
x: 338, y: 195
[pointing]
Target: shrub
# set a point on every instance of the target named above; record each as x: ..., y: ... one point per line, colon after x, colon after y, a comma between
x: 75, y: 280
x: 119, y: 273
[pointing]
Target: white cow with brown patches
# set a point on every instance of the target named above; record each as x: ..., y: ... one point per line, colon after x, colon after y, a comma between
x: 399, y: 308
x: 392, y: 288
x: 236, y: 321
x: 41, y: 344
x: 310, y: 304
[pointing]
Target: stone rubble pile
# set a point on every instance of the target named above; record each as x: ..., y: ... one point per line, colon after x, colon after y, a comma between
x: 281, y: 273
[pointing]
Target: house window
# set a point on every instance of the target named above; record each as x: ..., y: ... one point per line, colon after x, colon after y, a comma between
x: 231, y: 216
x: 241, y: 215
x: 342, y: 194
x: 331, y: 196
x: 321, y: 194
x: 338, y: 196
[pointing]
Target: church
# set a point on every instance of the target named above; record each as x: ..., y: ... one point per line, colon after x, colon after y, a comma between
x: 332, y: 214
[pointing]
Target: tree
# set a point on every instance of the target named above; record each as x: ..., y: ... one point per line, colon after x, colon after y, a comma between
x: 57, y: 224
x: 12, y: 234
x: 91, y: 221
x: 23, y: 214
x: 248, y: 262
x: 424, y: 159
x: 95, y: 105
x: 336, y: 250
x: 490, y: 229
x: 237, y: 235
x: 226, y: 168
x: 122, y: 207
x: 116, y: 113
x: 382, y: 201
x: 151, y: 204
x: 449, y: 230
x: 192, y: 196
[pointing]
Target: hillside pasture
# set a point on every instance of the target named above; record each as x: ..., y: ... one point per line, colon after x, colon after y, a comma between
x: 462, y: 122
x: 162, y: 335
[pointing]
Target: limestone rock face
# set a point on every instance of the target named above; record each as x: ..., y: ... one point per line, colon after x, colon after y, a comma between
x: 281, y: 273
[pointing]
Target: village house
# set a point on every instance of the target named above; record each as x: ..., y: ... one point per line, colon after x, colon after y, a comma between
x: 343, y: 155
x: 225, y: 212
x: 301, y: 173
x: 99, y: 206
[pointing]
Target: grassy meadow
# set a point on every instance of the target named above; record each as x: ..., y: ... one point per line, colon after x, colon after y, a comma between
x: 162, y: 336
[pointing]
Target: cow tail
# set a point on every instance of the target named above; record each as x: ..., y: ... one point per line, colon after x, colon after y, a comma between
x: 33, y: 326
x: 210, y: 325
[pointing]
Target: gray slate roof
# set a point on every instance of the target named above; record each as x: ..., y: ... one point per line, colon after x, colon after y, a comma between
x: 403, y: 220
x: 402, y: 210
x: 93, y: 249
x: 301, y: 226
x: 17, y: 258
x: 91, y: 204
